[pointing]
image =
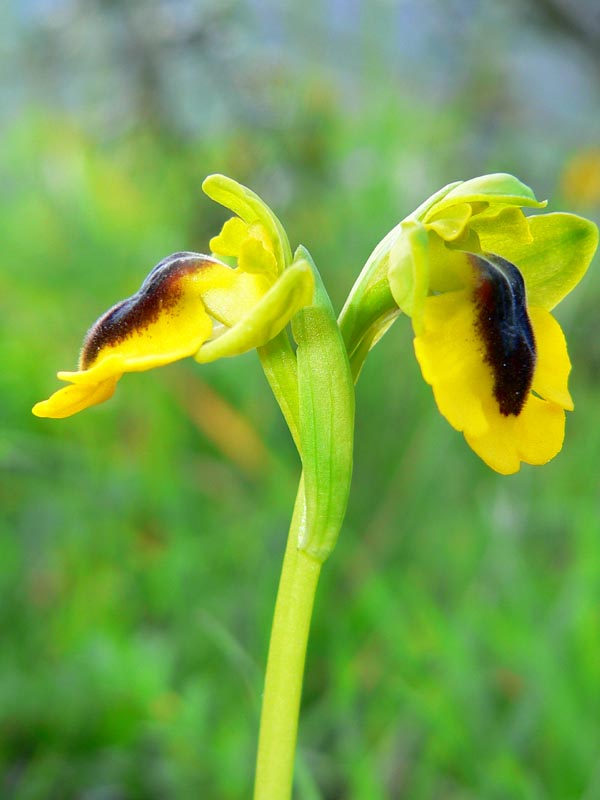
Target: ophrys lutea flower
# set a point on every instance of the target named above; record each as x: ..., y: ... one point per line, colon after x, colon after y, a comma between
x: 194, y: 305
x: 479, y: 279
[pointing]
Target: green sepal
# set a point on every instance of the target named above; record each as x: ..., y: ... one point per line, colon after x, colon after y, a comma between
x: 561, y: 250
x: 504, y: 223
x: 326, y: 410
x: 375, y: 319
x: 249, y: 206
x: 292, y: 290
x: 496, y: 189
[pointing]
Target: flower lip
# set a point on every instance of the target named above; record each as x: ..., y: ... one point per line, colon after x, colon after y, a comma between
x: 159, y: 292
x: 504, y: 328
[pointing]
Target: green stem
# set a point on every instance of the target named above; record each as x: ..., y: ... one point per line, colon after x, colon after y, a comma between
x: 285, y: 666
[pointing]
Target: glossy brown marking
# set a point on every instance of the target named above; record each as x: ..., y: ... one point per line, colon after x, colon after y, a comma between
x: 159, y: 292
x: 504, y: 328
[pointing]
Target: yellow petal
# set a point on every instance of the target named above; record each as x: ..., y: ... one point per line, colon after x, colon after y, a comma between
x: 534, y: 437
x: 452, y: 360
x: 71, y: 399
x: 553, y: 365
x: 106, y: 367
x: 539, y: 430
x: 249, y: 243
x: 164, y: 321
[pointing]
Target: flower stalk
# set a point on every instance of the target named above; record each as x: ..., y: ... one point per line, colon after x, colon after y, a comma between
x: 285, y: 665
x: 324, y: 432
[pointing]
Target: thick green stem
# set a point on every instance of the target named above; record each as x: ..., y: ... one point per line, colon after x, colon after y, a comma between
x: 314, y: 389
x: 285, y: 666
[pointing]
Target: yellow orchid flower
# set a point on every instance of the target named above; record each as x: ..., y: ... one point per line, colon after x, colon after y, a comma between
x: 194, y: 305
x: 479, y: 279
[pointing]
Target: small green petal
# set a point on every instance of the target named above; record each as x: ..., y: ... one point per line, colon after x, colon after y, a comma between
x: 450, y: 224
x: 255, y: 258
x: 496, y: 226
x: 292, y: 291
x: 248, y: 205
x: 229, y: 241
x: 499, y: 188
x: 554, y: 263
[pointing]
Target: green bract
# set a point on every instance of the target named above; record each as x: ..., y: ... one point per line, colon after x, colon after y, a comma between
x: 326, y: 397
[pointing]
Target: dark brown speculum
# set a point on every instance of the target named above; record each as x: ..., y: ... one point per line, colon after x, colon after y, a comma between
x: 504, y: 329
x: 159, y: 292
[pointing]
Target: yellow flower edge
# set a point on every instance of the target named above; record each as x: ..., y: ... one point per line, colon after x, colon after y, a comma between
x: 453, y: 362
x: 74, y: 398
x: 188, y: 300
x: 164, y: 321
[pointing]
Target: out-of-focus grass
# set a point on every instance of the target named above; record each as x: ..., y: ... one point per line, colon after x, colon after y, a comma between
x: 456, y: 640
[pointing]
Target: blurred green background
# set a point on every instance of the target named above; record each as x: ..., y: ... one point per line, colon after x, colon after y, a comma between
x: 455, y: 652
